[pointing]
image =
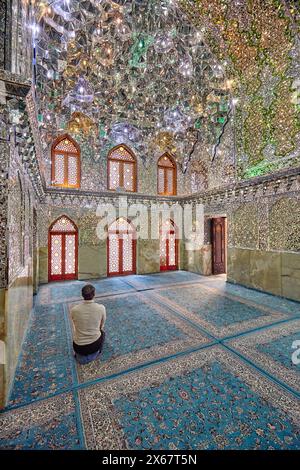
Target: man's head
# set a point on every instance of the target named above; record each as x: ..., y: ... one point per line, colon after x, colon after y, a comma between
x: 88, y: 292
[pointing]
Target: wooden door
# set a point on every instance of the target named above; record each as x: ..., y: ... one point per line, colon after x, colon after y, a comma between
x: 121, y: 249
x: 63, y: 250
x: 168, y: 248
x: 218, y: 246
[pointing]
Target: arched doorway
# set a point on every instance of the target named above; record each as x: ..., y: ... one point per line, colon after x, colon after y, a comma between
x: 121, y: 248
x: 168, y: 247
x: 63, y: 250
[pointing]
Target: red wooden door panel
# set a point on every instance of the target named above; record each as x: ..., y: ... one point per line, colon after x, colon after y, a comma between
x: 63, y: 250
x: 121, y: 249
x: 168, y: 249
x: 62, y: 256
x: 55, y: 257
x: 218, y: 246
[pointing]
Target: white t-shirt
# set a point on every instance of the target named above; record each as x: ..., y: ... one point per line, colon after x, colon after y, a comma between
x: 88, y: 319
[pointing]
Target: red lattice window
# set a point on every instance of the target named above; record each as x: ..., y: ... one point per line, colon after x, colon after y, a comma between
x: 121, y: 169
x: 168, y: 247
x: 121, y: 248
x: 65, y: 158
x: 63, y: 250
x: 166, y: 176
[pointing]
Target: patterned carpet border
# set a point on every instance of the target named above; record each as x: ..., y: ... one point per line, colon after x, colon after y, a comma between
x: 100, y: 368
x: 103, y: 429
x: 248, y: 347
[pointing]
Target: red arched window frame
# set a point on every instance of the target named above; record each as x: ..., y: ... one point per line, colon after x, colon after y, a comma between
x: 65, y: 163
x: 166, y: 176
x: 122, y: 169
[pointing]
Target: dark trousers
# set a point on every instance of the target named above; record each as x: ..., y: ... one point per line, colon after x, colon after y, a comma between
x: 92, y: 348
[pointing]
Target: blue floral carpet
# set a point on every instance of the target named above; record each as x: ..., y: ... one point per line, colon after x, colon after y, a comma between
x: 139, y: 331
x: 45, y: 365
x: 188, y: 363
x: 218, y: 312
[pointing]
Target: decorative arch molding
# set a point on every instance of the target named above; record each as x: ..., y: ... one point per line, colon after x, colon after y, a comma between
x: 121, y: 169
x: 63, y: 223
x: 65, y: 162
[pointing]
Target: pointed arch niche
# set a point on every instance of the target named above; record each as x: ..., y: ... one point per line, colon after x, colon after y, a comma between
x: 121, y: 169
x: 166, y: 176
x: 62, y: 250
x: 65, y: 162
